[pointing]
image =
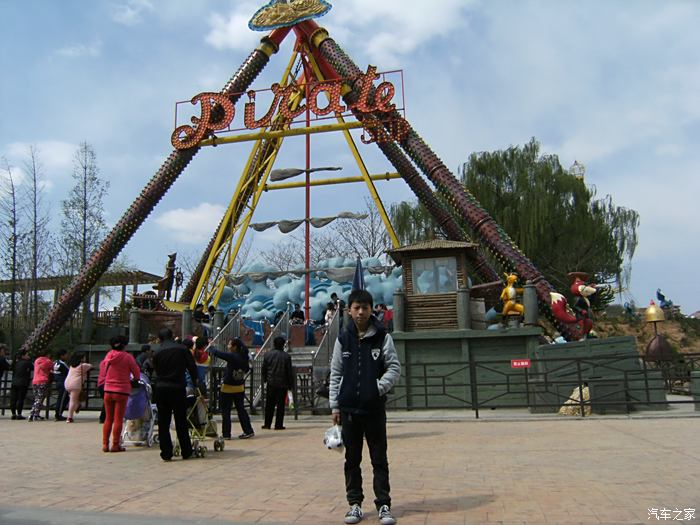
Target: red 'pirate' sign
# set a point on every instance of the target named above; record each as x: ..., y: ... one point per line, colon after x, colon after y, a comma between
x: 380, y: 119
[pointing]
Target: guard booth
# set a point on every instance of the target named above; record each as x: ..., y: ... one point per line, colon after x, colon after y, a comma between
x: 433, y: 273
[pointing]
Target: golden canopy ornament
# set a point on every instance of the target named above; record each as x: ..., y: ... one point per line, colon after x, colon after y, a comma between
x: 284, y: 13
x: 654, y: 314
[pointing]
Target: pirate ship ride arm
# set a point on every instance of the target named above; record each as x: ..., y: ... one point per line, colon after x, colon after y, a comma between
x: 483, y: 226
x: 142, y: 206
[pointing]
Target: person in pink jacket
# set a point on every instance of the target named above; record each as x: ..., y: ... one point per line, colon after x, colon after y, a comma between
x: 75, y: 382
x: 40, y: 384
x: 119, y: 369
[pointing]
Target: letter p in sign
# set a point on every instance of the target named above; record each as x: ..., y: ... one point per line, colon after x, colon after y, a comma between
x: 520, y: 363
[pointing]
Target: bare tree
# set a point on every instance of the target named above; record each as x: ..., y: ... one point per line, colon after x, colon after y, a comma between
x: 38, y: 234
x: 9, y: 242
x: 285, y: 255
x: 82, y: 224
x: 345, y: 238
x: 364, y: 237
x: 187, y: 261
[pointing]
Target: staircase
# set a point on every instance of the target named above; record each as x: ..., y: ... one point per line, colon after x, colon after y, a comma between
x: 303, y: 356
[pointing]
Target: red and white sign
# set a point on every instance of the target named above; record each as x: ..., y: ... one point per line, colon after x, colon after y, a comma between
x: 520, y: 363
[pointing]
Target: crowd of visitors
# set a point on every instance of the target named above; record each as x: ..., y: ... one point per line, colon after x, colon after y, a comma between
x: 364, y: 368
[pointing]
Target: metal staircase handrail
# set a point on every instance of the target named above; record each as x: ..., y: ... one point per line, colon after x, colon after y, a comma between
x: 231, y: 330
x: 254, y: 377
x: 322, y: 355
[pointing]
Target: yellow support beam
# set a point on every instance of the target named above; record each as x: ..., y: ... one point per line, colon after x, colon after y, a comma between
x: 260, y: 135
x: 249, y: 176
x: 263, y: 171
x: 328, y: 182
x: 360, y: 164
x: 254, y: 181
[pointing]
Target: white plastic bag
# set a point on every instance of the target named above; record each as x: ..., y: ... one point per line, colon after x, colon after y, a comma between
x: 333, y: 439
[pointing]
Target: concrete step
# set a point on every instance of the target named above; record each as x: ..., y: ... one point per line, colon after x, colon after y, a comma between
x: 303, y: 349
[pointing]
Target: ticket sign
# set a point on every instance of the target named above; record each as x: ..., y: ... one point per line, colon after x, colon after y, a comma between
x: 520, y: 363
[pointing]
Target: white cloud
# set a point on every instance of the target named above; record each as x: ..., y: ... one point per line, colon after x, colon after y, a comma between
x: 81, y: 50
x: 130, y: 13
x: 193, y: 225
x: 390, y: 31
x: 387, y: 29
x: 55, y: 159
x: 231, y: 31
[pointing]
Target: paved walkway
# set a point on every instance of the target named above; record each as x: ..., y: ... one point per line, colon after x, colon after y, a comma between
x: 446, y: 468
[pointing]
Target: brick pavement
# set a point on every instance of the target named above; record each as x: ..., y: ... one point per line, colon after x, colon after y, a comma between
x: 538, y: 471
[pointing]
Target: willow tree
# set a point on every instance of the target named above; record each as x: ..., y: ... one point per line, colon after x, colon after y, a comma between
x: 412, y: 223
x: 553, y: 217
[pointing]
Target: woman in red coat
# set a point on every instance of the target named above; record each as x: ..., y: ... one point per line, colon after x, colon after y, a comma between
x: 120, y: 367
x: 40, y: 383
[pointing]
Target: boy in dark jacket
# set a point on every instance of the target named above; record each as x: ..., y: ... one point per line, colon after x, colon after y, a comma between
x: 278, y: 375
x: 364, y: 368
x: 21, y: 377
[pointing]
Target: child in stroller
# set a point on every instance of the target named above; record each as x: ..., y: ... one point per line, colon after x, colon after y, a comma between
x: 140, y: 416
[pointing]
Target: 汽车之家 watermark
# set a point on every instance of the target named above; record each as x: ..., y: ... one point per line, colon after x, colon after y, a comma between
x: 674, y: 514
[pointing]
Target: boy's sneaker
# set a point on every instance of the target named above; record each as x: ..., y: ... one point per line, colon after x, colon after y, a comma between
x: 246, y: 435
x: 385, y: 516
x: 354, y: 515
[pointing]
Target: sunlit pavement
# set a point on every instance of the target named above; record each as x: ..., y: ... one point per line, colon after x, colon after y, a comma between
x: 446, y: 468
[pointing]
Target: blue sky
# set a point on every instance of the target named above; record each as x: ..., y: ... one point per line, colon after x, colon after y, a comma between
x: 614, y: 85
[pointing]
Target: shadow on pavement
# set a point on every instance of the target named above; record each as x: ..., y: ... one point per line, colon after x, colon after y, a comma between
x: 406, y: 435
x: 437, y: 505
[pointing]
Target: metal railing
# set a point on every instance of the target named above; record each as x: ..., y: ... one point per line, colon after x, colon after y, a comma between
x: 324, y: 352
x: 92, y: 402
x: 231, y: 330
x: 615, y: 383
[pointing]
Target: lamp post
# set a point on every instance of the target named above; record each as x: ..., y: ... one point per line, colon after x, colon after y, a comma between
x: 286, y: 173
x: 658, y: 350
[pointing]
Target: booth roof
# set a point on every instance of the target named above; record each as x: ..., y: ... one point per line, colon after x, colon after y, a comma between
x: 434, y: 244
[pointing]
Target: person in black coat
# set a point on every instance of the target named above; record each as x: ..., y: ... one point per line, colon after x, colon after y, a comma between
x: 21, y: 377
x: 4, y: 363
x: 170, y: 363
x: 233, y: 387
x: 278, y: 376
x: 59, y: 374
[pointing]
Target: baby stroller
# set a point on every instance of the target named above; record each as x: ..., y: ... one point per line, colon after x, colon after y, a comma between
x: 201, y: 426
x: 140, y: 416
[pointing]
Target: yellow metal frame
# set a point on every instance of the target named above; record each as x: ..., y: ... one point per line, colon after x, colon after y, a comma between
x: 292, y: 132
x: 212, y: 281
x: 256, y: 172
